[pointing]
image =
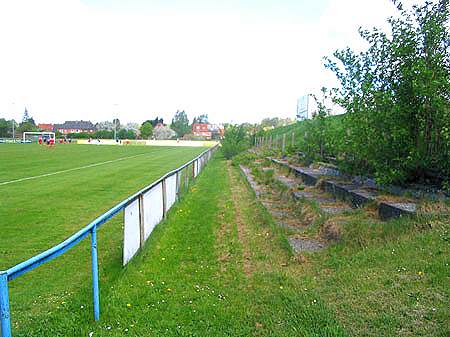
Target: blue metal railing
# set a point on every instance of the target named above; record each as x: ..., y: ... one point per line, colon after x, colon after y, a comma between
x: 50, y: 254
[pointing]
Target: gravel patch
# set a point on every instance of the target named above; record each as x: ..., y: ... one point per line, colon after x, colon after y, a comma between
x: 305, y: 245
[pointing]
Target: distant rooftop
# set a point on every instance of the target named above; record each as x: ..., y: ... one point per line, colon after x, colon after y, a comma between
x: 82, y: 125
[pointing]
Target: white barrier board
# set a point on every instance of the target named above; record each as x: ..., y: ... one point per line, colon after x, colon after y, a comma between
x: 171, y: 190
x: 131, y: 235
x: 196, y: 170
x: 153, y: 209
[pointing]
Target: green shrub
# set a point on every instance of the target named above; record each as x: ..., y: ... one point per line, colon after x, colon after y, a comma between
x: 396, y: 95
x: 235, y: 141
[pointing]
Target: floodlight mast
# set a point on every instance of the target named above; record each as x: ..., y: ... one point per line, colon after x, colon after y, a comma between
x: 115, y: 122
x: 13, y: 123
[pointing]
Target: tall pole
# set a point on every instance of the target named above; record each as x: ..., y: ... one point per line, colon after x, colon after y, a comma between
x: 115, y: 129
x: 115, y: 122
x: 13, y: 124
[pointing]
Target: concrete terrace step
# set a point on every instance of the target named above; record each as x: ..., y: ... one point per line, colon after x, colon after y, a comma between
x: 326, y: 203
x: 250, y: 180
x: 355, y: 195
x: 305, y: 245
x: 395, y: 210
x: 351, y: 193
x: 285, y: 219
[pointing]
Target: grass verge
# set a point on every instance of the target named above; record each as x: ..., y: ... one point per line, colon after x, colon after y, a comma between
x: 219, y: 266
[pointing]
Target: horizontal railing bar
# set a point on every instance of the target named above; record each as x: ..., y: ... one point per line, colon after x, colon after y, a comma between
x: 49, y: 254
x: 165, y: 176
x: 46, y: 256
x: 74, y: 239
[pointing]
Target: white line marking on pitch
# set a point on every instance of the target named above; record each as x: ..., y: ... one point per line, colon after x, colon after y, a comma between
x: 69, y: 170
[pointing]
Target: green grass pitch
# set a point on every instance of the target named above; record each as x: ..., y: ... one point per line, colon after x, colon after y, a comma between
x: 38, y: 213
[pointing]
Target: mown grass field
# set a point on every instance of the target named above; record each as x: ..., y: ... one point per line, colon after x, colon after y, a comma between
x: 219, y: 266
x: 39, y: 213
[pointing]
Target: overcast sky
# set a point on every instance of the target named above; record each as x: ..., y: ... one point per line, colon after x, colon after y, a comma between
x: 234, y: 60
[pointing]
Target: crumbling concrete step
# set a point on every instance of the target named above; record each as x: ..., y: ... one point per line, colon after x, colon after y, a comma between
x: 320, y: 199
x: 356, y: 195
x: 278, y: 214
x: 359, y: 197
x: 350, y: 193
x: 286, y: 225
x: 317, y: 197
x: 286, y: 181
x: 286, y: 219
x: 308, y: 176
x: 250, y: 180
x: 278, y: 161
x: 305, y: 245
x: 395, y: 210
x: 303, y: 194
x: 335, y: 209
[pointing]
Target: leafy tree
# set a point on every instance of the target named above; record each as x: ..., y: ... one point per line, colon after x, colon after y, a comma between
x: 146, y: 130
x: 5, y: 127
x: 80, y: 135
x: 27, y: 124
x: 318, y: 131
x: 180, y: 123
x: 202, y: 119
x: 105, y: 125
x: 397, y: 96
x: 132, y: 126
x: 155, y: 121
x: 126, y: 134
x: 235, y: 140
x: 275, y: 122
x: 164, y: 132
x: 103, y: 134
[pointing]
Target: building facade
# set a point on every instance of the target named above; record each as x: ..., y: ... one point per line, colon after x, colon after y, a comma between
x: 201, y: 130
x: 46, y: 127
x: 75, y: 127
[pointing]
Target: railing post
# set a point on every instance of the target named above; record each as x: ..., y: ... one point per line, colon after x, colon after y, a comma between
x: 186, y: 178
x: 164, y: 198
x: 178, y: 185
x: 141, y: 220
x: 283, y: 144
x: 95, y: 289
x: 4, y: 305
